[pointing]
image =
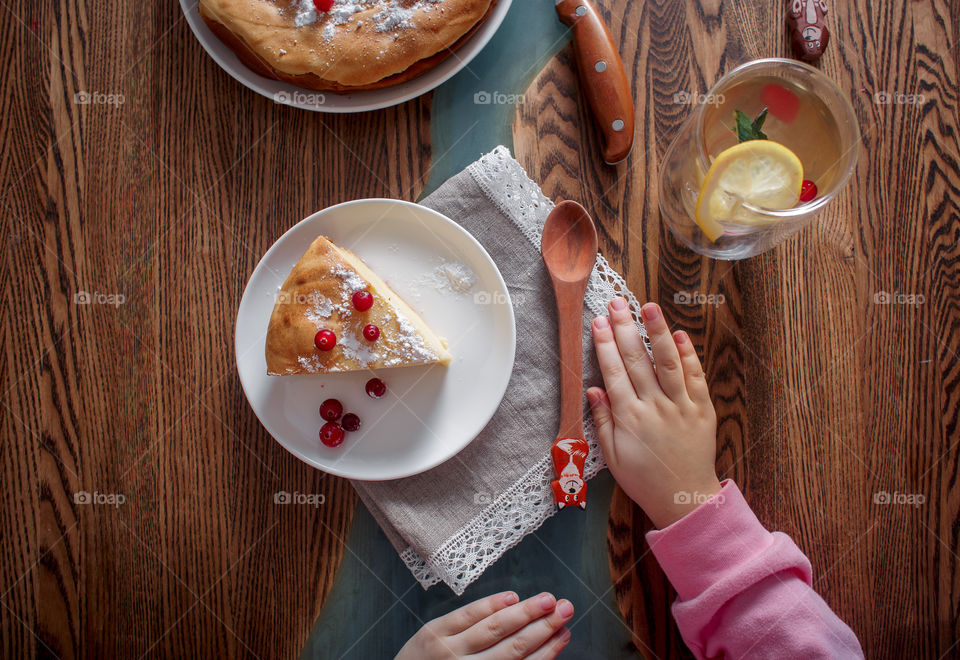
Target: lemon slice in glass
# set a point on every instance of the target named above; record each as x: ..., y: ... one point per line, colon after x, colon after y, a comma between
x: 761, y: 173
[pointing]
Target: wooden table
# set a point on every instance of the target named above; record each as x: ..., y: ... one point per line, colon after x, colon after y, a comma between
x: 158, y: 201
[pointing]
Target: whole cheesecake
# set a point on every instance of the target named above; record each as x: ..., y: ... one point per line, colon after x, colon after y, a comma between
x: 354, y: 45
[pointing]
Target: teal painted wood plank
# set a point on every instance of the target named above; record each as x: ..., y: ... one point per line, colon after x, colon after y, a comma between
x: 462, y: 127
x: 375, y: 604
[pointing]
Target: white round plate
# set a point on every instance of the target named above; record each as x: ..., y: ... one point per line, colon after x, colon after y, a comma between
x: 306, y: 99
x: 429, y: 412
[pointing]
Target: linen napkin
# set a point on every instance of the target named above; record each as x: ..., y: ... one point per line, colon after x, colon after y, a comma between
x: 450, y: 523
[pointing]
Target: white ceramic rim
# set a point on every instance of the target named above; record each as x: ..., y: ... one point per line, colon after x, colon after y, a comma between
x: 470, y: 435
x: 285, y: 93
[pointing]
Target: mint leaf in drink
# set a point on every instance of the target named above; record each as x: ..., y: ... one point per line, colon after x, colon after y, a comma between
x: 749, y: 129
x: 758, y: 124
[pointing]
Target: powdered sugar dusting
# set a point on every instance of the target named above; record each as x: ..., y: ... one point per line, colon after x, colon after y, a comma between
x: 448, y: 277
x: 411, y: 346
x: 321, y: 310
x: 460, y: 278
x: 356, y: 349
x: 392, y: 15
x: 397, y: 346
x: 352, y: 281
x: 310, y: 363
x: 306, y: 13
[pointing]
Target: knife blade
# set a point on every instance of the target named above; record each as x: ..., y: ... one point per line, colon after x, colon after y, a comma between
x: 602, y: 77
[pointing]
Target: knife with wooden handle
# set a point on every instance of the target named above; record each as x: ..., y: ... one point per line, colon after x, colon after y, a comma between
x: 602, y: 76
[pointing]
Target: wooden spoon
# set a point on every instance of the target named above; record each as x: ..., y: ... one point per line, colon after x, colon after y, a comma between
x: 569, y: 250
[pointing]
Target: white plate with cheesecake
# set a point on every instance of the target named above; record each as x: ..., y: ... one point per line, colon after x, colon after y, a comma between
x: 375, y: 297
x: 343, y: 55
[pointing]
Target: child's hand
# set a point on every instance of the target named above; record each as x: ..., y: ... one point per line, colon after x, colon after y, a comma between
x: 495, y: 628
x: 657, y: 427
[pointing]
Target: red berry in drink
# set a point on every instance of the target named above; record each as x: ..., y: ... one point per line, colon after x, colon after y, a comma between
x: 323, y: 5
x: 331, y: 409
x: 362, y: 300
x: 376, y: 388
x: 331, y: 434
x: 325, y: 340
x: 808, y: 190
x: 350, y: 422
x: 781, y: 102
x: 371, y: 332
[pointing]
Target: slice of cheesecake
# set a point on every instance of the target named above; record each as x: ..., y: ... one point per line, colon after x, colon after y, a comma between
x: 335, y: 314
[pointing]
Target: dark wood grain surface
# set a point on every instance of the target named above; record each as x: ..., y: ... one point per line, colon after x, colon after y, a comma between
x: 159, y: 207
x: 167, y: 199
x: 826, y: 399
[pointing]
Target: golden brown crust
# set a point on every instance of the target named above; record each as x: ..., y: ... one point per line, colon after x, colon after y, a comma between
x: 357, y: 57
x: 318, y: 294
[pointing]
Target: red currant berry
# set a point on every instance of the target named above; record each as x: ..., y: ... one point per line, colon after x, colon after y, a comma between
x: 331, y: 434
x: 350, y: 422
x: 376, y: 388
x: 808, y: 190
x: 331, y: 409
x: 323, y: 5
x: 371, y: 332
x: 325, y: 340
x: 362, y: 300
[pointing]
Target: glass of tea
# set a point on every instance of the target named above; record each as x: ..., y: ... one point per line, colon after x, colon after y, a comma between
x: 771, y: 145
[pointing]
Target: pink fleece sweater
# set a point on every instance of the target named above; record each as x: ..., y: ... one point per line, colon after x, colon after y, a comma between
x: 743, y: 592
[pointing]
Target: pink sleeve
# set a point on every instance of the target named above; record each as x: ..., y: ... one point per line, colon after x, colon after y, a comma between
x: 742, y: 591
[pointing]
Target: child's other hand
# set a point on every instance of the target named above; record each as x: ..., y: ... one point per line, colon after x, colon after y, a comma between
x: 495, y: 628
x: 657, y: 427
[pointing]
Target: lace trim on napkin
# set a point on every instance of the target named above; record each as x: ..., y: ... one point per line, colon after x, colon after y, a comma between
x: 526, y: 505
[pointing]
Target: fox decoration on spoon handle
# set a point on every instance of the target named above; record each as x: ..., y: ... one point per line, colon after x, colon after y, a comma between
x: 569, y: 456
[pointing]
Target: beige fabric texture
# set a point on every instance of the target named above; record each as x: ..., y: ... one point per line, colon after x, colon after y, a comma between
x: 420, y: 514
